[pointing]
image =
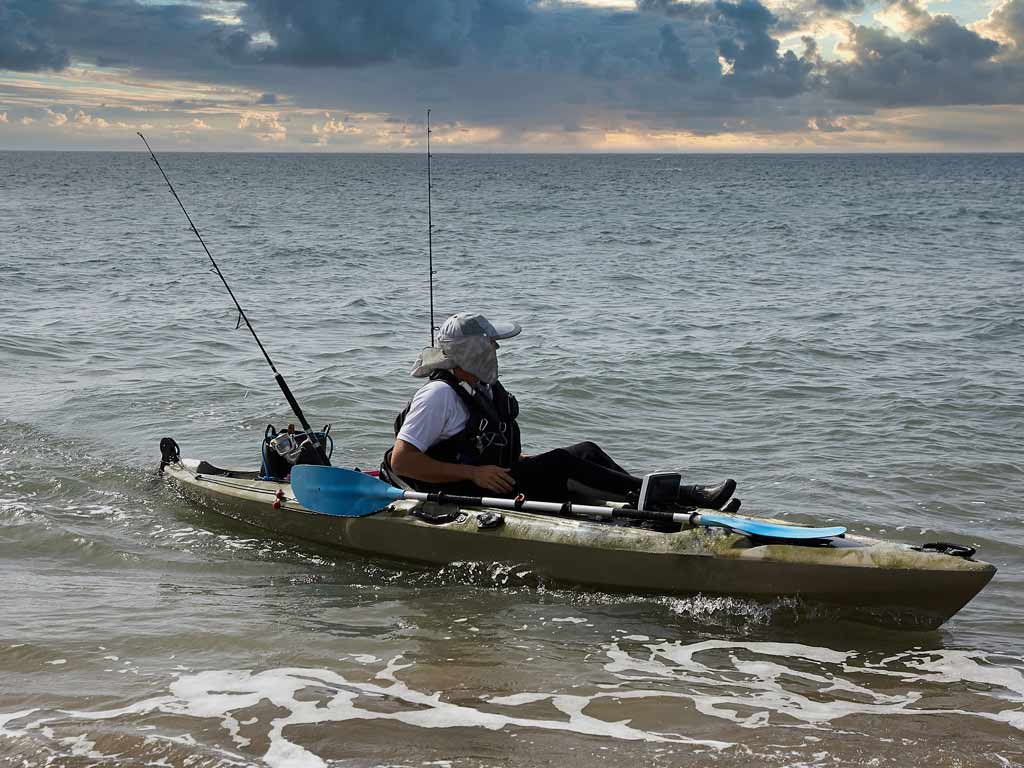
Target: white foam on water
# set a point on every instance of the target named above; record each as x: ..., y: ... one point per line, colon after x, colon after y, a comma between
x: 7, y: 717
x: 80, y: 746
x: 14, y: 512
x: 748, y: 684
x: 101, y: 511
x: 839, y: 681
x: 219, y: 694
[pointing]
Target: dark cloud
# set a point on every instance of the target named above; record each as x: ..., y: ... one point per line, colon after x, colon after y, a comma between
x: 364, y: 32
x: 836, y: 7
x: 942, y: 63
x: 527, y: 37
x: 24, y: 45
x: 110, y: 61
x: 757, y: 67
x: 532, y: 65
x: 743, y: 35
x: 674, y: 55
x: 123, y: 33
x: 677, y: 9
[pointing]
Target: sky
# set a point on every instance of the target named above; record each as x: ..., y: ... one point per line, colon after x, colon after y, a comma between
x: 514, y: 75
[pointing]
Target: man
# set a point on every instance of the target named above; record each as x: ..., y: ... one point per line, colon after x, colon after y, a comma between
x: 459, y: 433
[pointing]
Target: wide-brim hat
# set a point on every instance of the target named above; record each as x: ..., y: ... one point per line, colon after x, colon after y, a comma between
x: 456, y: 328
x: 474, y: 324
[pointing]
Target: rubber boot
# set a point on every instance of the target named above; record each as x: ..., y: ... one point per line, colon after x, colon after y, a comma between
x: 706, y: 496
x: 733, y: 505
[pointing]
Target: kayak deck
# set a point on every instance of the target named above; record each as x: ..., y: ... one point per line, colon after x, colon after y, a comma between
x: 887, y: 582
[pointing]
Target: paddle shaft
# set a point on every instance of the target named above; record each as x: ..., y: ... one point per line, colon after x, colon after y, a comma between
x: 241, y: 313
x: 554, y: 508
x: 711, y: 519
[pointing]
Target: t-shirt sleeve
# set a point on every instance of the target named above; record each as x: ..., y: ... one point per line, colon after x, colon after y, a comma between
x: 432, y: 409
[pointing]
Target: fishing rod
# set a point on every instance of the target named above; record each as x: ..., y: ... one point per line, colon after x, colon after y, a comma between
x: 430, y: 235
x: 321, y: 454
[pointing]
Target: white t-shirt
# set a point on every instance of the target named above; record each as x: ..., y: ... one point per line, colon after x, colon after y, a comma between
x: 436, y: 413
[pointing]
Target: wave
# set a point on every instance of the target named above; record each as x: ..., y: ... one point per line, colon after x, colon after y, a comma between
x: 654, y: 692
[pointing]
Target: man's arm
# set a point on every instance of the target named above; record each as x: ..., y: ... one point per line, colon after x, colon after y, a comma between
x: 409, y: 461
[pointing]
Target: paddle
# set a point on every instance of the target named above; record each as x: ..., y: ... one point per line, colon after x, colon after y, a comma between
x: 347, y: 493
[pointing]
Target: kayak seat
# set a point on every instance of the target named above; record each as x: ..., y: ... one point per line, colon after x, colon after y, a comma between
x: 206, y: 468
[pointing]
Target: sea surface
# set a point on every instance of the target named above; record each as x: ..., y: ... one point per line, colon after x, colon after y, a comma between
x: 844, y: 335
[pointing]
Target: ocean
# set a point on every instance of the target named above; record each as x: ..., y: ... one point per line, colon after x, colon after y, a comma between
x: 841, y: 334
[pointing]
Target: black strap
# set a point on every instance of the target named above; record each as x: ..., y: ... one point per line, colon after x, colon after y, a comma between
x: 946, y: 548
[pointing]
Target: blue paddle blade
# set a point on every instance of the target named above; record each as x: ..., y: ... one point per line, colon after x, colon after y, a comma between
x: 341, y: 492
x: 768, y: 530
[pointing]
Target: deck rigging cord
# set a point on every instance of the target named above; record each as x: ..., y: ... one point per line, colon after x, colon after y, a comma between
x: 322, y: 455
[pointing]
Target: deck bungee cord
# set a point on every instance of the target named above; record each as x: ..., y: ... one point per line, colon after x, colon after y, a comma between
x: 310, y: 434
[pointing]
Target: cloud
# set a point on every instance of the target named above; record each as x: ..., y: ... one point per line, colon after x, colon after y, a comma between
x: 331, y: 127
x: 266, y: 126
x: 364, y: 32
x: 56, y: 119
x: 507, y: 72
x: 939, y: 63
x: 111, y: 33
x: 81, y: 119
x: 1006, y: 24
x: 25, y: 46
x: 185, y: 131
x: 671, y: 42
x: 840, y: 6
x: 830, y: 124
x: 755, y: 66
x: 674, y: 55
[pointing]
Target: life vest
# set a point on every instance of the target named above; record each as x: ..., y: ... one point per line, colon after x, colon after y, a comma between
x: 491, y: 435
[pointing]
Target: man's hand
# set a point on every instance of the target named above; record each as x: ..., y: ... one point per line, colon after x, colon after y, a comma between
x: 493, y: 478
x: 408, y: 461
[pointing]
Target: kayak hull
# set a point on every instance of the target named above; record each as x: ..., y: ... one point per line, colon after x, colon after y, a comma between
x: 881, y: 582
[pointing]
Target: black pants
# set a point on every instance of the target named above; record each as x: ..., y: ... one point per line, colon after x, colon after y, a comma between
x: 545, y: 477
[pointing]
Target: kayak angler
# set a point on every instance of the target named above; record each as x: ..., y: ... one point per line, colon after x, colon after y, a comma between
x: 301, y: 495
x: 459, y: 434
